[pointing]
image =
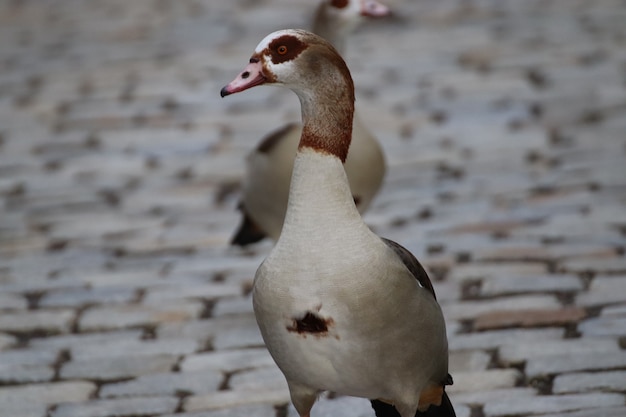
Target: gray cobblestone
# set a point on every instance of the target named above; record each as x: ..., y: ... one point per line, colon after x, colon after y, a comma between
x: 553, y: 364
x: 6, y: 341
x: 604, y: 326
x: 227, y: 360
x: 258, y: 380
x: 119, y: 317
x: 470, y: 309
x: 223, y: 399
x: 165, y: 384
x: 604, y: 290
x: 479, y: 398
x: 516, y: 353
x: 584, y: 382
x: 82, y: 296
x: 12, y: 301
x: 497, y: 338
x: 37, y: 396
x: 487, y: 380
x: 117, y: 367
x: 552, y: 404
x: 20, y: 374
x: 257, y: 410
x: 469, y: 360
x: 140, y: 406
x: 43, y: 320
x: 132, y: 347
x: 594, y: 412
x: 504, y: 285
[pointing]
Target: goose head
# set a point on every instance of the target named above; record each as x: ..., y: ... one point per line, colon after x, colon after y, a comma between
x: 342, y: 11
x: 335, y: 19
x: 313, y: 69
x: 296, y: 59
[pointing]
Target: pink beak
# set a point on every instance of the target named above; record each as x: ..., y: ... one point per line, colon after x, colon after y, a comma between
x: 372, y: 8
x: 251, y: 76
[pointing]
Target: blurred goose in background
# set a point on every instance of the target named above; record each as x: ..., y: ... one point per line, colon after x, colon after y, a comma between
x: 268, y: 168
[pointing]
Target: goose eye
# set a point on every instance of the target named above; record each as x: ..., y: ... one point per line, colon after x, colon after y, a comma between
x: 282, y: 50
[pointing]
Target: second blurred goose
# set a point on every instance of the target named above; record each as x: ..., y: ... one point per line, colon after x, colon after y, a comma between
x: 268, y: 168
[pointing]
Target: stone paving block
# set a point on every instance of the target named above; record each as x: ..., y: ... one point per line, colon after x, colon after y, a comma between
x: 510, y: 284
x: 132, y: 278
x: 185, y: 289
x: 134, y: 347
x: 468, y: 360
x: 7, y: 341
x: 589, y: 381
x: 551, y: 404
x: 237, y: 332
x: 106, y: 369
x: 593, y: 412
x: 233, y: 306
x: 512, y: 352
x: 53, y: 321
x: 224, y: 261
x: 77, y: 297
x: 71, y: 342
x: 529, y: 318
x: 603, y: 290
x: 554, y: 364
x: 29, y: 356
x: 614, y: 311
x: 10, y: 301
x: 496, y: 338
x: 466, y: 310
x: 478, y: 271
x: 257, y: 410
x: 165, y: 384
x: 16, y: 397
x: 227, y: 360
x: 224, y: 399
x: 611, y: 325
x: 513, y: 252
x: 26, y: 409
x: 258, y: 379
x: 478, y: 398
x: 124, y: 316
x: 225, y: 332
x: 140, y: 406
x: 21, y: 374
x: 487, y: 380
x: 599, y: 266
x: 568, y: 250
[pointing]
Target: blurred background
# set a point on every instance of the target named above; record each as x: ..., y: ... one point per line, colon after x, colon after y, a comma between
x: 504, y: 130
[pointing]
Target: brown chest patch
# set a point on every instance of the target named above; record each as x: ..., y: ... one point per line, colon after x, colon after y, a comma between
x: 311, y: 323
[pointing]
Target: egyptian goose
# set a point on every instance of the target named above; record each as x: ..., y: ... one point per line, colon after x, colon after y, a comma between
x: 265, y: 186
x: 339, y: 308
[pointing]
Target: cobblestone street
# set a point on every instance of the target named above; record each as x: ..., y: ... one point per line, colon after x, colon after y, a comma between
x: 504, y: 129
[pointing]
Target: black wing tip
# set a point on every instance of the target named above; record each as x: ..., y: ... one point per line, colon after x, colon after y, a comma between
x: 383, y: 409
x: 247, y: 233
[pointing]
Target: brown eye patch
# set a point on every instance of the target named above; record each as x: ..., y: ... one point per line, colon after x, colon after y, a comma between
x: 285, y: 48
x: 340, y: 4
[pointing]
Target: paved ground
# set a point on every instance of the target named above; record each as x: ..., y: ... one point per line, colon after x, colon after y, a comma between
x: 504, y: 124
